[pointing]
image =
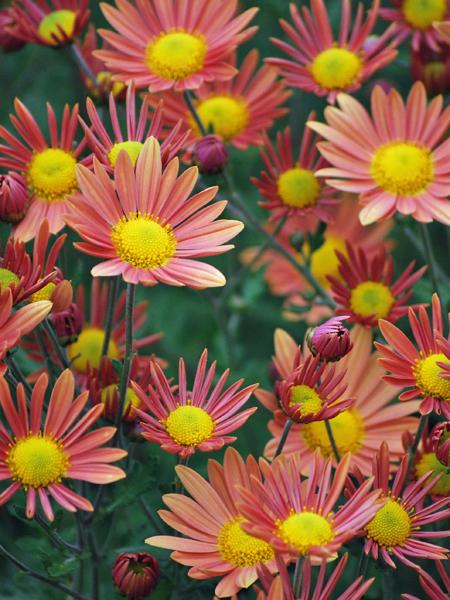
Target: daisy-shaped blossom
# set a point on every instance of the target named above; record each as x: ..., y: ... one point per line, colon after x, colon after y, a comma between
x: 395, y: 159
x: 418, y: 368
x: 185, y: 420
x: 365, y: 291
x: 38, y: 456
x: 325, y: 66
x: 48, y: 166
x: 215, y: 543
x: 426, y: 460
x: 358, y: 430
x: 146, y: 226
x: 165, y: 44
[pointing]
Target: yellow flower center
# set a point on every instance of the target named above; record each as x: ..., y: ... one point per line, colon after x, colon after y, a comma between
x: 88, y: 349
x: 104, y: 78
x: 51, y: 175
x: 391, y: 525
x: 241, y: 549
x: 348, y: 433
x: 141, y: 241
x: 430, y: 462
x: 7, y: 278
x: 37, y: 461
x: 189, y: 425
x: 324, y: 260
x: 308, y: 400
x: 132, y: 148
x: 371, y: 298
x: 336, y: 68
x: 298, y: 188
x: 54, y: 22
x: 131, y: 398
x: 402, y: 168
x: 226, y: 116
x: 420, y: 14
x: 428, y: 379
x: 304, y: 530
x: 44, y: 293
x: 176, y: 55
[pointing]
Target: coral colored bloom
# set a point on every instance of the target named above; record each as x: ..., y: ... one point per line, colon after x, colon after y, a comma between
x: 395, y: 159
x: 418, y: 368
x: 67, y: 324
x: 48, y: 167
x: 165, y: 45
x: 325, y: 66
x: 145, y: 224
x: 14, y: 199
x: 135, y: 574
x: 215, y: 542
x: 330, y: 340
x: 38, y: 456
x: 196, y: 419
x: 9, y: 42
x: 365, y: 291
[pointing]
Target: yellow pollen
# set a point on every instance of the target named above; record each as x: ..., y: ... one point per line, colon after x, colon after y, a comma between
x: 51, y: 175
x: 308, y: 400
x: 348, y: 432
x: 189, y: 425
x: 7, y: 278
x: 44, y: 293
x: 402, y: 168
x: 429, y: 462
x: 298, y: 188
x: 142, y: 242
x: 371, y: 298
x: 88, y: 349
x: 176, y: 54
x: 304, y: 530
x: 428, y: 379
x: 37, y: 461
x: 420, y: 14
x: 52, y: 24
x: 132, y: 148
x: 336, y: 68
x: 391, y: 525
x: 104, y: 78
x: 324, y: 260
x: 241, y: 549
x: 131, y: 398
x: 226, y: 116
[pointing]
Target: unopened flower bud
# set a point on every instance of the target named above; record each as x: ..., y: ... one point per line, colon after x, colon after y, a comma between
x: 210, y: 154
x: 330, y: 341
x: 14, y: 199
x: 135, y: 574
x: 440, y: 438
x: 67, y: 324
x: 8, y: 41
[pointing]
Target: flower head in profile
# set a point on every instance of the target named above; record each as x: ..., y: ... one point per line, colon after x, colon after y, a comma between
x: 14, y: 199
x: 39, y: 455
x: 215, y: 544
x: 395, y: 159
x: 145, y: 225
x: 323, y: 65
x: 135, y: 574
x: 331, y: 340
x: 197, y: 418
x: 432, y: 456
x: 163, y: 45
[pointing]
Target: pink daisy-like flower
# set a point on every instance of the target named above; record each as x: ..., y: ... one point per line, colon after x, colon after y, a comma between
x: 395, y: 159
x: 418, y: 368
x: 426, y: 460
x: 215, y: 543
x: 199, y: 419
x: 325, y: 66
x: 165, y: 44
x: 146, y: 226
x: 38, y: 458
x: 365, y: 291
x: 48, y: 167
x: 330, y: 340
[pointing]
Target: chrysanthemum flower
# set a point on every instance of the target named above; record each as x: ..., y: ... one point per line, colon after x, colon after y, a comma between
x: 323, y: 65
x: 50, y: 22
x: 365, y: 291
x: 416, y: 19
x: 290, y: 186
x: 358, y: 430
x: 199, y: 419
x: 429, y: 585
x: 163, y: 45
x: 330, y: 340
x: 39, y: 457
x: 14, y: 199
x: 395, y: 159
x: 427, y: 461
x: 49, y: 167
x: 138, y: 130
x: 145, y: 224
x: 238, y: 110
x: 396, y: 531
x: 299, y: 517
x: 418, y: 368
x: 216, y: 544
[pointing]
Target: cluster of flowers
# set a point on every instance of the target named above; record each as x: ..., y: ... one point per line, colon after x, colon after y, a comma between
x: 345, y: 460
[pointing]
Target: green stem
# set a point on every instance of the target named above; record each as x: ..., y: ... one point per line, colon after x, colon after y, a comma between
x: 78, y: 58
x: 17, y: 373
x: 179, y: 489
x: 387, y: 578
x: 413, y: 448
x: 95, y: 560
x: 332, y: 440
x: 60, y: 352
x: 286, y: 430
x: 430, y: 256
x: 55, y: 538
x: 298, y: 577
x: 190, y: 102
x: 149, y: 514
x: 363, y: 564
x: 112, y: 293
